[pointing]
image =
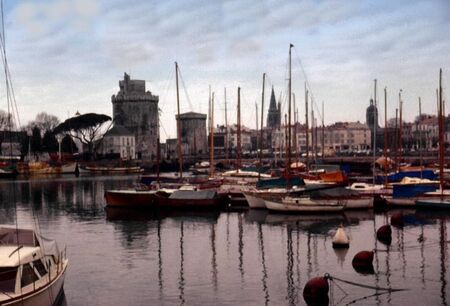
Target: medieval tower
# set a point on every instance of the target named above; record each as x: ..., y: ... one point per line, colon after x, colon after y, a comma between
x: 137, y: 110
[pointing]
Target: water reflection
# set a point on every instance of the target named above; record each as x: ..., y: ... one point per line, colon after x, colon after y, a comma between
x: 252, y: 258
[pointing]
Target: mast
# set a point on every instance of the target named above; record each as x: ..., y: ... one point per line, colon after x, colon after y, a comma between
x: 385, y: 137
x: 441, y: 135
x: 238, y: 152
x: 396, y: 139
x: 226, y: 128
x: 313, y: 135
x: 261, y: 130
x: 323, y: 131
x: 420, y: 137
x: 295, y: 131
x: 400, y: 144
x: 180, y: 154
x: 307, y: 125
x: 375, y: 122
x: 289, y: 111
x: 286, y: 139
x: 211, y: 141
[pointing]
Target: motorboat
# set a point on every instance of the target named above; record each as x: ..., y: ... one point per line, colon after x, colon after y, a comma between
x: 30, y: 274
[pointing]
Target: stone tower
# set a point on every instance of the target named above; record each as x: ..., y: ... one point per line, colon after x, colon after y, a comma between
x: 137, y: 110
x: 274, y: 113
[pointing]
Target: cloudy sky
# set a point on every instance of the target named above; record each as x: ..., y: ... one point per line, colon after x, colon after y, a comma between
x: 68, y: 55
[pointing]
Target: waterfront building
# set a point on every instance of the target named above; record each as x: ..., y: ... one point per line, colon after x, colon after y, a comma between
x: 137, y: 110
x: 119, y: 141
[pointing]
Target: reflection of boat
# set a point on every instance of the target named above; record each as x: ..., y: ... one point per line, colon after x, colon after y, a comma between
x: 125, y: 214
x: 30, y: 274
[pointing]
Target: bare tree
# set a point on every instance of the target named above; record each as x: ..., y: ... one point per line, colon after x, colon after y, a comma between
x: 44, y: 121
x: 6, y: 121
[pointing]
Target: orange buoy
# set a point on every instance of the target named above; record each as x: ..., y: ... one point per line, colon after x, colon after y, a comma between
x: 316, y: 291
x: 397, y: 220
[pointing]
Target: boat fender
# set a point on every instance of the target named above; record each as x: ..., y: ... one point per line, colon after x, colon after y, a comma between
x: 316, y: 291
x: 397, y: 220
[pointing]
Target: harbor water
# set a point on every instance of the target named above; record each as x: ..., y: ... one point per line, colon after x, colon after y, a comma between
x: 246, y: 257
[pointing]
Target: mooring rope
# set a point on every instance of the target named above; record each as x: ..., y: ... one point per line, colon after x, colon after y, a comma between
x: 332, y: 278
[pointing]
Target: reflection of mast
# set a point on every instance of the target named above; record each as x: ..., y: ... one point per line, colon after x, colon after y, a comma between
x: 241, y: 246
x: 308, y: 255
x: 422, y: 255
x: 443, y: 253
x: 160, y: 265
x: 289, y: 268
x: 213, y: 259
x: 263, y: 263
x: 181, y: 281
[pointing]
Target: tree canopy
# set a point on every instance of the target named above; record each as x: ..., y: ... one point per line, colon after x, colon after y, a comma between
x: 88, y: 128
x: 45, y: 122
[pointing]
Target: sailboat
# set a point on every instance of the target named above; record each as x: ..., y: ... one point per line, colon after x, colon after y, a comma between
x: 440, y: 199
x: 29, y: 273
x: 192, y: 198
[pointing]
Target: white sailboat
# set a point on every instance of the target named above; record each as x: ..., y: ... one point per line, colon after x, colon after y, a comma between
x: 30, y: 274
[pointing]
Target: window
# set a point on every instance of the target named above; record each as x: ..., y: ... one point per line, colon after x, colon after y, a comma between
x: 28, y: 275
x: 8, y: 279
x: 39, y: 266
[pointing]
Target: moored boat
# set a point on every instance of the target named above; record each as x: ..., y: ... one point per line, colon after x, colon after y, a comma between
x: 29, y: 273
x: 303, y: 204
x: 185, y: 199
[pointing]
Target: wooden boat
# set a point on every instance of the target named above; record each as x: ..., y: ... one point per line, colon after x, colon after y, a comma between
x: 185, y: 199
x: 34, y: 168
x: 303, y: 204
x: 130, y: 198
x: 111, y: 170
x: 30, y: 274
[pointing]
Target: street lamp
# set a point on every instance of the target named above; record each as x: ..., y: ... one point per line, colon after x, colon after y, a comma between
x: 59, y: 139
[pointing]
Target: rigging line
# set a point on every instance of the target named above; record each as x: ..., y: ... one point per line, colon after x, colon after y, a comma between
x: 185, y: 90
x: 332, y: 278
x: 3, y: 49
x: 308, y: 85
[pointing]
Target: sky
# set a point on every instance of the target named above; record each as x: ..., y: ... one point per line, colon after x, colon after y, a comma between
x: 69, y: 55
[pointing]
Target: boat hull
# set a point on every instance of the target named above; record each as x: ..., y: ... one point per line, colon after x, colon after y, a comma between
x: 433, y: 203
x: 44, y: 296
x: 254, y: 201
x: 163, y: 201
x: 130, y: 198
x: 304, y: 205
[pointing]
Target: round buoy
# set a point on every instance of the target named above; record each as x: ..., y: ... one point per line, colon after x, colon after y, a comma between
x: 340, y: 239
x: 384, y: 234
x: 397, y: 220
x: 316, y: 291
x: 363, y: 258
